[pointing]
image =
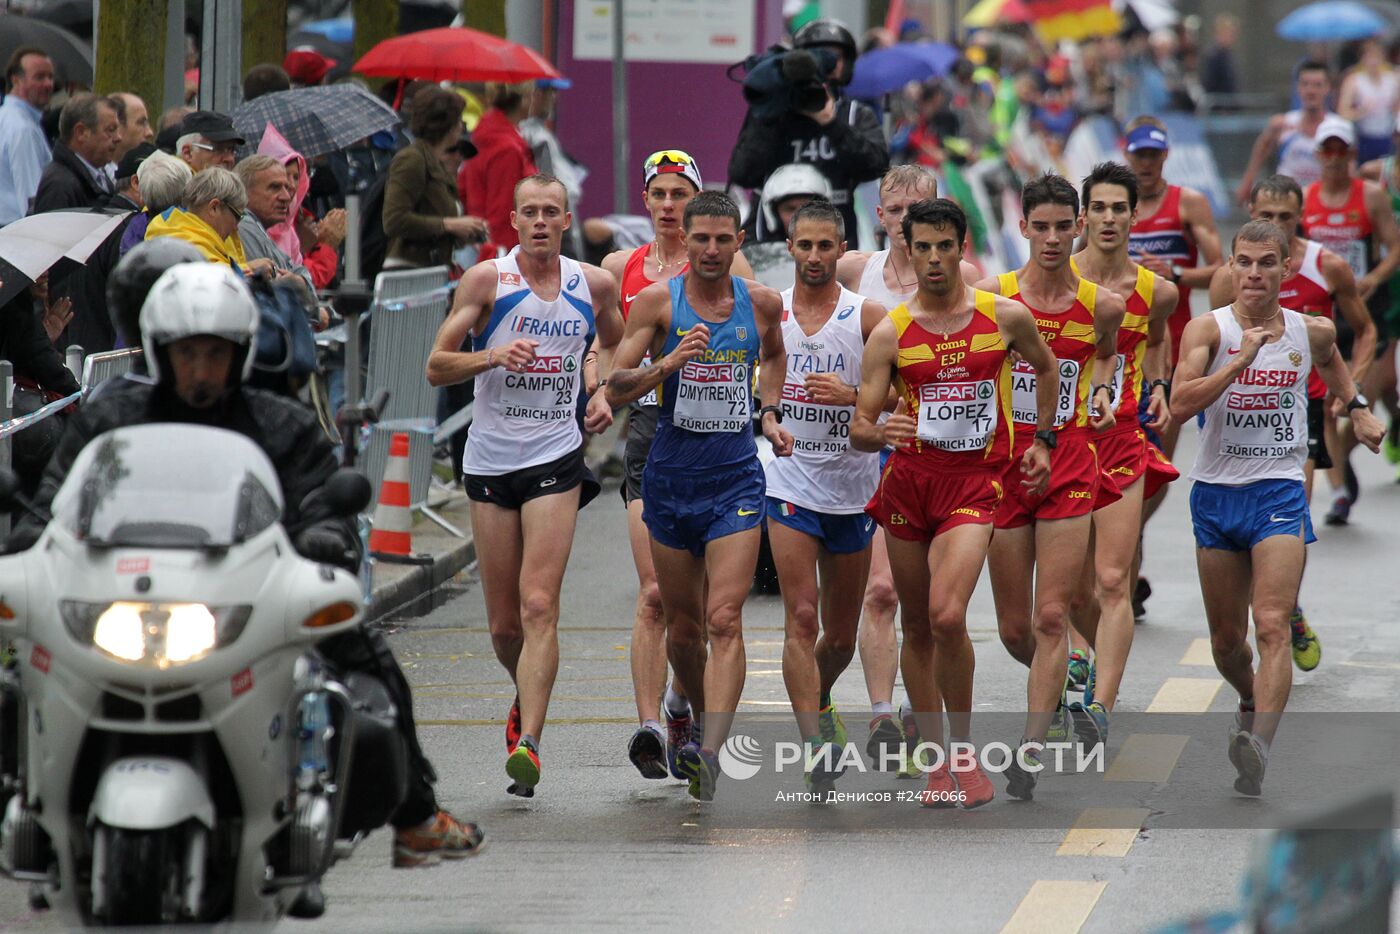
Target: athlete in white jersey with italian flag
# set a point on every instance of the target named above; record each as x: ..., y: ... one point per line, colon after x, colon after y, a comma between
x: 531, y: 316
x: 816, y: 497
x: 1246, y: 367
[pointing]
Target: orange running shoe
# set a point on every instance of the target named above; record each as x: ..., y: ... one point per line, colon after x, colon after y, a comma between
x: 446, y: 837
x: 941, y: 790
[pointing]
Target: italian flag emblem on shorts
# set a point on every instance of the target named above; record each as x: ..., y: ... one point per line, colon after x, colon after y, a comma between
x: 787, y: 509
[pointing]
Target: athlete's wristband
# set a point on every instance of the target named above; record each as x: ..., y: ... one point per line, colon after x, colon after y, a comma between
x: 1166, y: 385
x: 777, y: 411
x: 490, y: 358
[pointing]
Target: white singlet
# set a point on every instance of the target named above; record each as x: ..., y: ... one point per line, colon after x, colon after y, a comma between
x: 525, y: 419
x: 1297, y: 153
x: 873, y: 287
x: 1258, y: 428
x: 824, y: 472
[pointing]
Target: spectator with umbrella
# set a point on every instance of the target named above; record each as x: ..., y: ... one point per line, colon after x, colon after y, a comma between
x: 305, y: 241
x: 24, y: 150
x: 422, y: 217
x: 503, y: 158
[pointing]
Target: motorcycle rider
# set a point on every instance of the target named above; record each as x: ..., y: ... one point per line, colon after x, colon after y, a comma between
x: 198, y: 327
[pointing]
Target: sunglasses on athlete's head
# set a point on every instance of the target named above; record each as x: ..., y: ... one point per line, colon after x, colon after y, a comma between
x: 668, y: 156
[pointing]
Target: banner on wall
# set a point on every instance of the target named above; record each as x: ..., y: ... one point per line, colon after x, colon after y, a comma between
x: 717, y: 32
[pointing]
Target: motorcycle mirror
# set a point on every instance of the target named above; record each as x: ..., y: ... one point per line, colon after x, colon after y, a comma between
x: 348, y: 492
x: 9, y: 489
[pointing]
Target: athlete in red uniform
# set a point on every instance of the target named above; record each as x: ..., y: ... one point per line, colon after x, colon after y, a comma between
x: 670, y: 179
x: 952, y: 434
x: 1042, y: 538
x: 1133, y: 464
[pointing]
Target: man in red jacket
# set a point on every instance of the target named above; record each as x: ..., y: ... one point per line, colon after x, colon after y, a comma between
x: 503, y: 158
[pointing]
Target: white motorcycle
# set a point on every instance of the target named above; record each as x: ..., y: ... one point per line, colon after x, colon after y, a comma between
x: 180, y: 754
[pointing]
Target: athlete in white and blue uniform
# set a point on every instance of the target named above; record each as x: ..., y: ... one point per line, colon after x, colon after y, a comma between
x: 1246, y: 367
x: 706, y: 332
x: 817, y: 497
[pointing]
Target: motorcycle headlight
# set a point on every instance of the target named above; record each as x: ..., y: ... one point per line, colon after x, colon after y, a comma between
x: 157, y: 634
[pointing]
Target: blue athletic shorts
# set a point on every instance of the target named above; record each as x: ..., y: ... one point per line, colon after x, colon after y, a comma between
x: 688, y: 510
x: 839, y: 535
x: 1236, y: 518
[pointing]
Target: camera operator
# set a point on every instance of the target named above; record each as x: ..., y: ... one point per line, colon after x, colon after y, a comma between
x: 803, y: 116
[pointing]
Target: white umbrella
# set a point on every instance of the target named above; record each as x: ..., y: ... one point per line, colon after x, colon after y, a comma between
x: 33, y: 244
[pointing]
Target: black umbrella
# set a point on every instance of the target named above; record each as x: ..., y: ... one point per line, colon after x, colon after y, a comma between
x: 72, y: 57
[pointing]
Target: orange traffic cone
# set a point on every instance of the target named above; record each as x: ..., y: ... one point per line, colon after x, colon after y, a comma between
x: 391, y: 536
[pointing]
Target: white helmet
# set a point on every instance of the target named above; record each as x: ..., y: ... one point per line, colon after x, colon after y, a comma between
x: 198, y: 298
x: 795, y: 179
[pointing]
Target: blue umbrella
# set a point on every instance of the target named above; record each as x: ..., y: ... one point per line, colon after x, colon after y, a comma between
x: 885, y: 70
x: 1331, y: 21
x: 341, y: 31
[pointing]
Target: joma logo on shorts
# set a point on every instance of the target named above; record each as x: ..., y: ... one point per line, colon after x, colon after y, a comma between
x: 967, y: 511
x: 1079, y: 494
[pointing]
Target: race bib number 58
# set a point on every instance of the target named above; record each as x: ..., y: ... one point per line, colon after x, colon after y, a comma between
x: 1023, y: 401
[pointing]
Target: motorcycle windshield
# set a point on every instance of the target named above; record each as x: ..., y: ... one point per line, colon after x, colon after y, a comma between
x: 169, y: 486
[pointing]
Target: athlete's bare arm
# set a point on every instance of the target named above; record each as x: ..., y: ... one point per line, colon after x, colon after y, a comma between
x: 990, y: 284
x: 850, y: 267
x: 1387, y: 234
x: 1341, y: 282
x: 646, y: 329
x: 1264, y: 147
x: 1154, y: 360
x: 1199, y: 222
x: 1222, y: 288
x: 1109, y: 310
x: 1019, y: 333
x: 830, y: 389
x: 1322, y: 341
x: 772, y: 365
x: 614, y: 264
x: 1192, y: 390
x: 1373, y: 171
x: 877, y: 365
x: 448, y: 364
x: 607, y: 323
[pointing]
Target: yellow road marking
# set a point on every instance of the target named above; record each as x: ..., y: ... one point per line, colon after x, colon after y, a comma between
x: 1103, y: 832
x: 1146, y: 757
x: 1055, y: 907
x: 1198, y: 653
x: 1185, y: 695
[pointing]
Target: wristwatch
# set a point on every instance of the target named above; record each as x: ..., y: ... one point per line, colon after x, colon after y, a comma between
x: 777, y: 411
x: 1176, y: 271
x: 1358, y: 401
x: 1049, y: 437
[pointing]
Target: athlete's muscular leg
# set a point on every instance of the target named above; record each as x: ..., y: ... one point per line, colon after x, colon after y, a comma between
x: 1278, y: 571
x: 547, y: 523
x: 1084, y: 609
x: 879, y: 646
x: 955, y: 562
x: 1061, y: 547
x: 648, y: 625
x: 909, y: 563
x: 498, y: 531
x: 842, y: 588
x: 1011, y: 563
x: 1114, y: 545
x: 729, y: 567
x: 795, y: 557
x: 1226, y: 582
x: 681, y: 579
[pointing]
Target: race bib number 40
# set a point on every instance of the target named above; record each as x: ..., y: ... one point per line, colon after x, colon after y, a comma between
x: 816, y: 429
x: 713, y: 398
x: 1023, y: 402
x: 543, y: 392
x: 1262, y: 425
x: 958, y: 416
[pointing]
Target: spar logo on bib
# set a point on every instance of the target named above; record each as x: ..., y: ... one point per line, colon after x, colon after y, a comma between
x: 1068, y: 370
x: 551, y: 365
x: 1256, y: 401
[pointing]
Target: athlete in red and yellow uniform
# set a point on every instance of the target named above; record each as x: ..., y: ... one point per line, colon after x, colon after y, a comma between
x: 1037, y: 556
x: 946, y: 350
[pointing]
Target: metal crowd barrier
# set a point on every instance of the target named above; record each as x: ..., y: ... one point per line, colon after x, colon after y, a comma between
x: 97, y: 368
x: 408, y: 283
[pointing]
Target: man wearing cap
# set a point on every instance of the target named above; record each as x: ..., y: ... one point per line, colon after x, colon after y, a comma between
x: 306, y: 67
x: 208, y: 138
x: 128, y: 194
x: 1351, y: 217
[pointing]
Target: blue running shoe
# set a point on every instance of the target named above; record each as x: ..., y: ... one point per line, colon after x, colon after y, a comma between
x: 701, y: 769
x: 647, y: 750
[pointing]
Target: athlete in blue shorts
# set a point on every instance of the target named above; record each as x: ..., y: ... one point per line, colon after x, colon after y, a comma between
x: 1246, y: 367
x: 817, y: 497
x: 703, y: 486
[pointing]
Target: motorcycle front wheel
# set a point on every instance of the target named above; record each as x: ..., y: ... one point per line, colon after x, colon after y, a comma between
x: 143, y: 876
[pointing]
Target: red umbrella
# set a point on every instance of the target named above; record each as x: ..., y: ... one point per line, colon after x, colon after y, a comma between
x: 454, y: 54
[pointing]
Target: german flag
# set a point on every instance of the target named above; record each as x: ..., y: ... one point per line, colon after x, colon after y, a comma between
x: 1073, y: 20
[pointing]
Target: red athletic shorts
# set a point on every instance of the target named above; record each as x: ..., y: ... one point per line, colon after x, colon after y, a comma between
x: 917, y: 502
x: 1076, y: 483
x: 1125, y: 455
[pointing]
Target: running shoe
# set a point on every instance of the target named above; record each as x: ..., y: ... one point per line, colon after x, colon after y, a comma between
x: 1340, y: 511
x: 822, y: 768
x: 679, y: 731
x: 1141, y: 591
x: 913, y: 762
x: 1389, y: 447
x: 1060, y: 724
x: 445, y: 838
x: 974, y: 786
x: 1090, y: 724
x: 885, y: 739
x: 1020, y: 782
x: 513, y: 729
x: 941, y: 790
x: 1244, y: 719
x: 1307, y: 649
x: 647, y: 750
x: 832, y: 727
x: 1091, y: 682
x: 1248, y: 757
x: 700, y: 768
x: 1077, y: 673
x: 523, y: 767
